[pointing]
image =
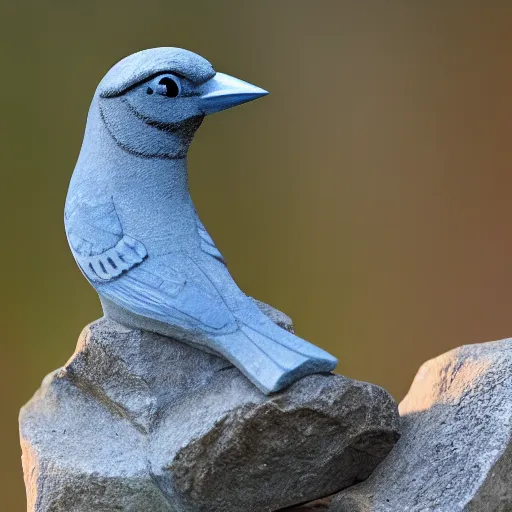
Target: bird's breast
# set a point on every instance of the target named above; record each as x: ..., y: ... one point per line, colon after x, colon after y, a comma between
x: 161, y: 225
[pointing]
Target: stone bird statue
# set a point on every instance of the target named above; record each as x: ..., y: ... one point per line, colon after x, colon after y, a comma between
x: 134, y: 231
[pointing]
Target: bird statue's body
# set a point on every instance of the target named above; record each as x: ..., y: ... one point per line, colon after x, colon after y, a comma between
x: 134, y: 231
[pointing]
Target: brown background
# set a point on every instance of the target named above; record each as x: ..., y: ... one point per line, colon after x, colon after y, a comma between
x: 367, y: 196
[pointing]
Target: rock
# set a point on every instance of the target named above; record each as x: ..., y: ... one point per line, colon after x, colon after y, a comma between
x: 139, y: 422
x: 455, y: 453
x: 278, y: 317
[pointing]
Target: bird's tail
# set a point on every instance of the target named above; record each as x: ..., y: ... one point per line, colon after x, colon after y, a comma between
x: 271, y: 357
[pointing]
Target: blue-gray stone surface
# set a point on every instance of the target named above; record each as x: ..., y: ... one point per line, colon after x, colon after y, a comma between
x: 139, y: 422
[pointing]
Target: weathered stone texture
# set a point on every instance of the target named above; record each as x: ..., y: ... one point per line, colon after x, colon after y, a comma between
x: 138, y: 422
x: 455, y: 453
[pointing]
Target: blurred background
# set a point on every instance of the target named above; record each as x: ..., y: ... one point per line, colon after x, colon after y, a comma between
x: 368, y: 196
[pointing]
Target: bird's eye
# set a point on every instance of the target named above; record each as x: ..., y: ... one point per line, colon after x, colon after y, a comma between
x: 168, y: 86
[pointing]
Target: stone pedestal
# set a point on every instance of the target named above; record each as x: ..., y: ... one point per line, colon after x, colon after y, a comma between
x: 139, y: 422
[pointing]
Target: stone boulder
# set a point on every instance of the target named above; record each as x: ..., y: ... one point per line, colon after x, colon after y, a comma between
x: 140, y: 422
x: 455, y: 452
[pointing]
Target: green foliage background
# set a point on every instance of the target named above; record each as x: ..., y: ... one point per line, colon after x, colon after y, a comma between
x: 368, y: 196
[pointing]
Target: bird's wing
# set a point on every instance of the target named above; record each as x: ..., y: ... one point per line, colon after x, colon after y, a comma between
x: 101, y: 248
x: 173, y: 290
x: 176, y: 296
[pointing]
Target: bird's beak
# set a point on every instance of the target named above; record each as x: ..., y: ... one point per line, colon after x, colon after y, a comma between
x: 224, y: 91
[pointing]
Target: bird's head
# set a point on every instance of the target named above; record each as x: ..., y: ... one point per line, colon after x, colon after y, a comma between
x: 153, y: 101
